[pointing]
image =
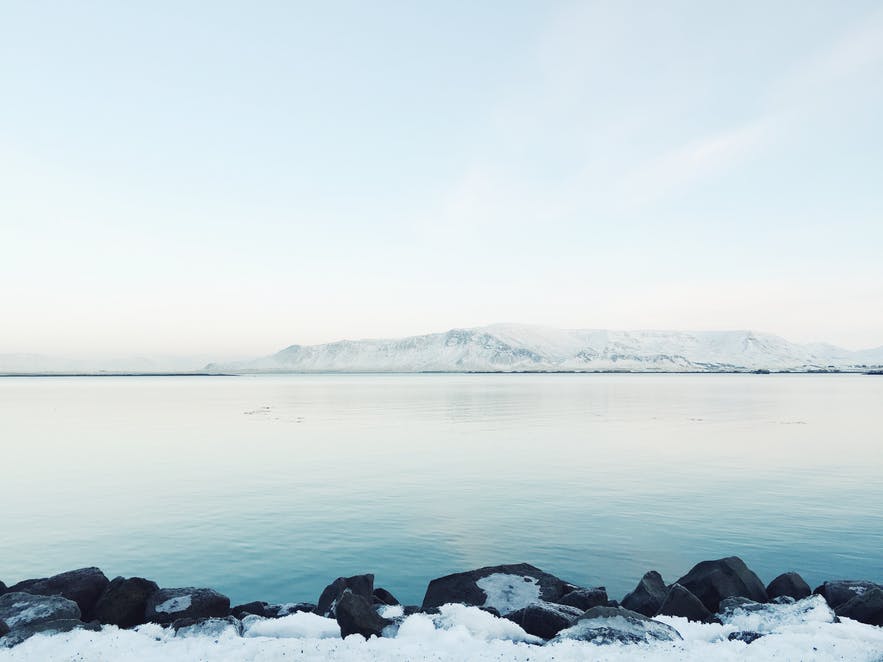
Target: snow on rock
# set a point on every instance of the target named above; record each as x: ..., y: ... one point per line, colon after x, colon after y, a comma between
x: 172, y: 605
x: 608, y: 625
x: 507, y: 593
x: 766, y: 618
x: 391, y: 611
x: 18, y: 609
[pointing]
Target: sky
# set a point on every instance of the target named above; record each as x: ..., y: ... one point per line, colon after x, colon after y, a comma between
x: 230, y: 178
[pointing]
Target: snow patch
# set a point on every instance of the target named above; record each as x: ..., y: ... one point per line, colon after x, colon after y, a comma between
x: 34, y: 613
x: 391, y: 611
x: 176, y: 604
x: 300, y: 625
x: 507, y: 593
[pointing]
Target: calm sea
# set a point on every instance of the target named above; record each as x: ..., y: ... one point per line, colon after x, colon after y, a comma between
x: 268, y: 487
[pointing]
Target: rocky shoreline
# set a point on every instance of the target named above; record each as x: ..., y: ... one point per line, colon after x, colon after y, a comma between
x: 547, y: 609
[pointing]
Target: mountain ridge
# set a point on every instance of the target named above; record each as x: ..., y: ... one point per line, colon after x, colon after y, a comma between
x: 526, y: 348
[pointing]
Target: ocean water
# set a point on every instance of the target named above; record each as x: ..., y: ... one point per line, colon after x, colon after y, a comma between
x: 269, y: 487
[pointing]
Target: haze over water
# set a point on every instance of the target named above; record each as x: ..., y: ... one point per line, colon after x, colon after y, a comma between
x: 269, y: 487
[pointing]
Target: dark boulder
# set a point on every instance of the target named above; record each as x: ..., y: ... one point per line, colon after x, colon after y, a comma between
x: 608, y: 625
x: 362, y: 585
x: 124, y: 601
x: 2, y: 588
x: 257, y: 608
x: 24, y: 632
x: 411, y: 609
x: 356, y: 615
x: 170, y: 604
x: 545, y: 619
x: 680, y: 602
x: 504, y: 587
x: 745, y: 636
x: 83, y: 586
x: 712, y: 581
x: 648, y: 595
x: 865, y: 607
x: 789, y: 584
x: 585, y: 598
x: 3, y: 628
x: 840, y: 591
x: 384, y: 597
x: 19, y: 609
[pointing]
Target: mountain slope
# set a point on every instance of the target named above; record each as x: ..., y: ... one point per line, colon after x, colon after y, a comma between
x: 512, y: 348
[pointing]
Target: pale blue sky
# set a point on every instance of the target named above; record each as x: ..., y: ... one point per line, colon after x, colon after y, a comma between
x: 230, y: 178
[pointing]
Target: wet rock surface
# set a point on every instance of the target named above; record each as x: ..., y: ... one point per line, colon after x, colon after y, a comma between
x: 362, y: 585
x: 788, y: 584
x: 545, y: 619
x: 712, y: 581
x: 648, y: 595
x: 124, y: 602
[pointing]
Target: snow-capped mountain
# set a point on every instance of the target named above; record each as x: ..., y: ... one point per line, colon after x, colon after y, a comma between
x: 515, y: 348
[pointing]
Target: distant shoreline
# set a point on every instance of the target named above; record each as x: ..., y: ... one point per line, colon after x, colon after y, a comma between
x: 444, y: 372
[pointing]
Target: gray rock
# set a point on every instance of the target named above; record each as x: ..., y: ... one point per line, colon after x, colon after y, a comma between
x: 2, y: 588
x: 712, y: 581
x: 362, y: 585
x: 124, y: 602
x: 840, y: 591
x: 585, y: 598
x: 648, y: 595
x: 356, y: 615
x: 608, y: 625
x: 171, y: 604
x: 83, y: 586
x: 24, y: 632
x: 788, y: 584
x: 545, y: 619
x: 3, y: 628
x: 19, y: 609
x: 680, y: 602
x: 866, y: 607
x: 745, y: 636
x: 463, y: 587
x: 384, y: 597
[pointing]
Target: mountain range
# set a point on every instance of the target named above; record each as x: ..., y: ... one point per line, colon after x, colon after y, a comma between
x: 523, y: 348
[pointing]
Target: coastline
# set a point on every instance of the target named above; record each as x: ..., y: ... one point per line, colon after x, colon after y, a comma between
x: 719, y: 605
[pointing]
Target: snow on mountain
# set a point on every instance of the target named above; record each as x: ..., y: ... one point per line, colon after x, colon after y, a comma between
x: 515, y: 348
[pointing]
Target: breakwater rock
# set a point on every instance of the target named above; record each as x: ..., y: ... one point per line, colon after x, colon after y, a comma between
x: 519, y: 600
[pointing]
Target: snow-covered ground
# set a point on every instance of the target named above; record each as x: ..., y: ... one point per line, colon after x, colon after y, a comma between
x: 461, y: 633
x: 513, y: 347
